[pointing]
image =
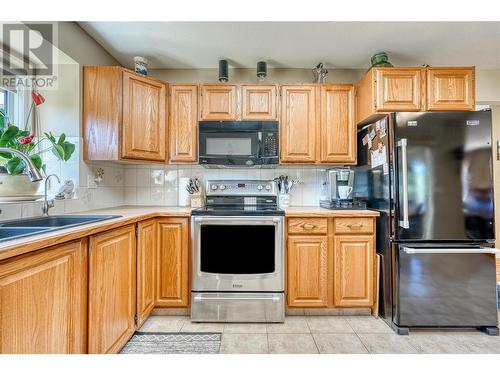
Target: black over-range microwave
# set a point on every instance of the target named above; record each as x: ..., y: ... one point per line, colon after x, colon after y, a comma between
x: 238, y: 143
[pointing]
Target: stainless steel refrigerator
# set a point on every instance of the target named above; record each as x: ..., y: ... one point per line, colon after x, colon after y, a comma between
x: 429, y: 174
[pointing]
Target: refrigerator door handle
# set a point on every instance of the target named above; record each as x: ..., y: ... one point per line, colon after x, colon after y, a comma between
x: 449, y: 250
x: 402, y: 143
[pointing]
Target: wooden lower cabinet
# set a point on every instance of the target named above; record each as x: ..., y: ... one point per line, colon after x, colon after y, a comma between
x: 307, y: 280
x: 147, y: 243
x: 330, y: 262
x: 172, y: 263
x: 43, y: 301
x: 112, y: 289
x: 353, y: 271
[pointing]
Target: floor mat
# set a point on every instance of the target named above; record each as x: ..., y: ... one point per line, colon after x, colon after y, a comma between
x: 173, y: 343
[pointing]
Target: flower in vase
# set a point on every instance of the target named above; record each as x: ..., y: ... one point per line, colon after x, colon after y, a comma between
x: 26, y: 140
x: 37, y: 98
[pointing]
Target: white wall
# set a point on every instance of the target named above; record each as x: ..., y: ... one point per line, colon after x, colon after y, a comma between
x: 488, y: 86
x: 248, y: 75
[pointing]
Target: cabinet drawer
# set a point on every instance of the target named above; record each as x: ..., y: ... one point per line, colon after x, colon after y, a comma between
x: 308, y: 225
x: 354, y: 225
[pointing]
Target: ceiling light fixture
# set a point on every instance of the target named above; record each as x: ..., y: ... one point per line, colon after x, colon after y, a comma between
x: 261, y: 70
x: 223, y: 71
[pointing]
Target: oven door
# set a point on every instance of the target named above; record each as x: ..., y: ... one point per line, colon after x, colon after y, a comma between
x: 238, y: 254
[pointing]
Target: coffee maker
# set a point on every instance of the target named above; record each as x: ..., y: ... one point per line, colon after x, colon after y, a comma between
x: 339, y: 183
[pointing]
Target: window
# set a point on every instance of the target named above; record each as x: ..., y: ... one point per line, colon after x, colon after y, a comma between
x: 10, y: 103
x: 3, y: 99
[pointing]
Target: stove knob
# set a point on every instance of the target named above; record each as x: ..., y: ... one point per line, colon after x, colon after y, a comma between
x: 268, y: 187
x: 214, y: 187
x: 260, y: 187
x: 222, y: 187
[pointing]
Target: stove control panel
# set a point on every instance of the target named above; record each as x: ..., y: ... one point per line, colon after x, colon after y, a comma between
x: 241, y: 187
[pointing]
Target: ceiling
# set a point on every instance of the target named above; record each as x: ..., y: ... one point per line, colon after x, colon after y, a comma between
x: 185, y: 45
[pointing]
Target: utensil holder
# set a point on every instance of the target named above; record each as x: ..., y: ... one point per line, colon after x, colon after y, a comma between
x: 284, y: 200
x: 197, y: 200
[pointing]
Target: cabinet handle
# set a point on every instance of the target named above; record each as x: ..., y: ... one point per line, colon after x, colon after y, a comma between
x: 355, y: 226
x: 308, y: 226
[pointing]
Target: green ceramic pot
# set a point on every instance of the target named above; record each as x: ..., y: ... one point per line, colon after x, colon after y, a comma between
x: 380, y: 59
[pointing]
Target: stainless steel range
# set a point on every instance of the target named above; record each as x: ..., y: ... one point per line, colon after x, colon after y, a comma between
x: 238, y: 254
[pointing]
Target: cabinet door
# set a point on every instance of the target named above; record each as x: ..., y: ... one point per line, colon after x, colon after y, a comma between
x: 172, y: 285
x: 43, y: 301
x: 354, y: 271
x: 338, y: 127
x: 183, y: 121
x: 307, y: 271
x: 112, y: 289
x: 259, y: 102
x: 298, y: 124
x: 144, y: 118
x: 146, y: 252
x: 450, y: 89
x: 102, y: 112
x: 219, y: 102
x: 399, y: 89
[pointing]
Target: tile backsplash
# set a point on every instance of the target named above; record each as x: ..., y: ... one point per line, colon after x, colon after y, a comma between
x: 159, y: 184
x: 146, y: 184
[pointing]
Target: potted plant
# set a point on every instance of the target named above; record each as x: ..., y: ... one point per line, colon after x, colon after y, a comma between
x: 13, y: 179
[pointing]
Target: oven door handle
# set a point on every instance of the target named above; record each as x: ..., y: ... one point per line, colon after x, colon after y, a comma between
x: 450, y: 250
x: 201, y: 299
x: 234, y: 220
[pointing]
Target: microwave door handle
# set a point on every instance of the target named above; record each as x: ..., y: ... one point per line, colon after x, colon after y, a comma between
x: 403, y: 143
x: 259, y: 145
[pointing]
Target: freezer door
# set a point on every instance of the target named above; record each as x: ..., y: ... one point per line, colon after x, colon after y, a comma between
x: 445, y: 286
x: 444, y: 182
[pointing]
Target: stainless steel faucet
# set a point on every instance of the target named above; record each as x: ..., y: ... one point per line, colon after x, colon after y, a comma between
x: 33, y: 172
x: 48, y: 204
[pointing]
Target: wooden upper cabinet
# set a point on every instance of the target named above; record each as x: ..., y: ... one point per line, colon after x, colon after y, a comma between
x: 450, y: 89
x: 183, y: 123
x: 307, y: 271
x: 399, y: 89
x: 353, y: 271
x: 112, y: 289
x: 219, y: 102
x: 144, y: 118
x: 172, y: 264
x: 298, y: 123
x: 43, y: 301
x: 337, y: 136
x: 383, y: 90
x: 259, y: 102
x: 124, y: 115
x: 102, y: 112
x: 146, y: 254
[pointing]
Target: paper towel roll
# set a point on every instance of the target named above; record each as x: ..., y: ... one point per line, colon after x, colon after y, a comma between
x: 183, y: 193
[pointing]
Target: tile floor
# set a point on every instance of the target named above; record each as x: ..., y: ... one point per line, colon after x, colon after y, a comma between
x: 328, y: 334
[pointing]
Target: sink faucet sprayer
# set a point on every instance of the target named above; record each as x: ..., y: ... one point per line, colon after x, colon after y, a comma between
x: 33, y: 172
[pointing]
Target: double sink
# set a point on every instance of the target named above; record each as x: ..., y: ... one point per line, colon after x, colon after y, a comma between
x: 25, y: 227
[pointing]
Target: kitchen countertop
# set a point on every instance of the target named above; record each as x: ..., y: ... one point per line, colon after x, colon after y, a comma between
x: 133, y: 214
x: 130, y: 215
x: 324, y: 212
